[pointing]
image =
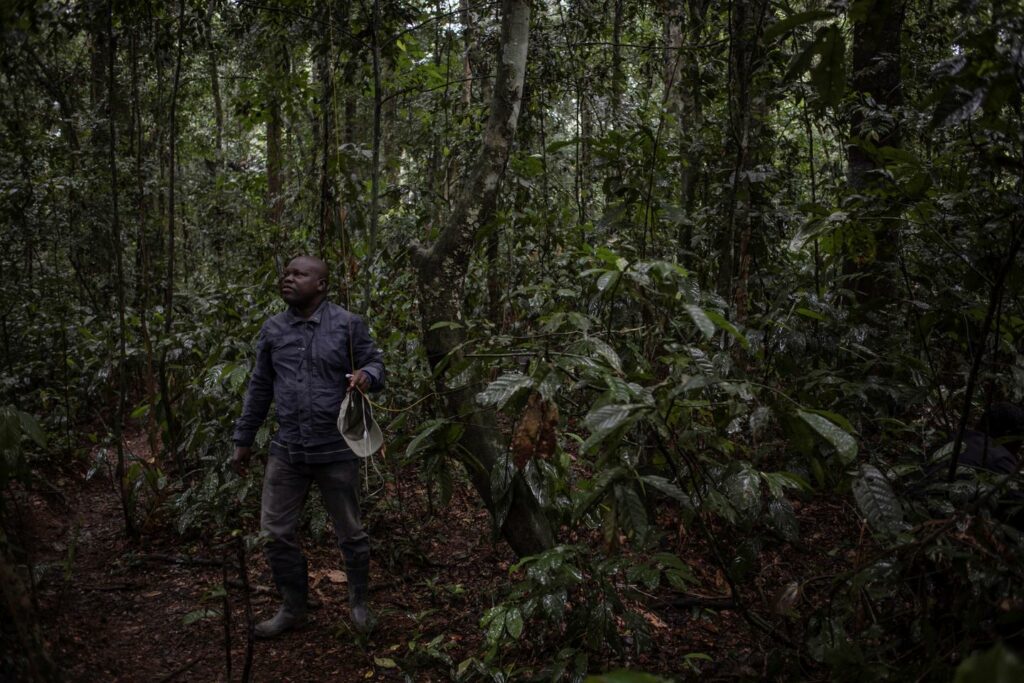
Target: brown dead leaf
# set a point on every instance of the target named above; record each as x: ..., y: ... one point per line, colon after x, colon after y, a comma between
x: 535, y: 435
x: 653, y: 619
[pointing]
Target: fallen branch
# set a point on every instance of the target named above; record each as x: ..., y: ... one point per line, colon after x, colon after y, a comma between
x: 187, y: 560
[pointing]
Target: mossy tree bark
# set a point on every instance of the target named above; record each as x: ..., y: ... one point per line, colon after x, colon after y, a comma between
x: 441, y: 271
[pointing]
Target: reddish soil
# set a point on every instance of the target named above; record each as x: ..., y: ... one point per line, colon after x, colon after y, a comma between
x: 116, y: 611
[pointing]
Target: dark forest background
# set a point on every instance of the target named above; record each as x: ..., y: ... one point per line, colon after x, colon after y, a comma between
x: 641, y: 270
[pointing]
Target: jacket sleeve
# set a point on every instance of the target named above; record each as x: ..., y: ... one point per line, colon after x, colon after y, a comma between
x: 366, y: 356
x: 258, y: 395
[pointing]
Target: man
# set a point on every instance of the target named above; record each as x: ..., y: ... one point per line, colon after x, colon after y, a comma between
x: 306, y: 360
x: 995, y: 444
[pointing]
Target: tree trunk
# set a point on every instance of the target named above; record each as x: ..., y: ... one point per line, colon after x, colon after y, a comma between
x: 115, y: 240
x: 165, y: 385
x: 876, y: 74
x: 747, y: 109
x: 218, y: 107
x: 441, y: 273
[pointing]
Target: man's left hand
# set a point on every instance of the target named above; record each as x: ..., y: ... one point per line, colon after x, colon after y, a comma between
x: 359, y: 380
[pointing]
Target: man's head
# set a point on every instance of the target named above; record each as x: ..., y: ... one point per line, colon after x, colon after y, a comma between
x: 1004, y: 421
x: 304, y: 281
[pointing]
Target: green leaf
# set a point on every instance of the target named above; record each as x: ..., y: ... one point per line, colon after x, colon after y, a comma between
x: 140, y: 411
x: 828, y: 76
x: 719, y: 320
x: 196, y: 615
x: 744, y: 491
x: 419, y: 442
x: 495, y: 621
x: 783, y: 520
x: 560, y: 144
x: 997, y: 665
x: 877, y: 501
x: 636, y: 513
x: 610, y: 417
x: 800, y: 63
x: 608, y: 280
x: 500, y: 391
x: 624, y: 676
x: 799, y: 19
x: 700, y: 319
x: 844, y: 444
x: 514, y: 623
x: 605, y: 351
x: 385, y: 662
x: 30, y: 426
x: 450, y: 324
x: 666, y: 487
x: 808, y: 313
x: 600, y: 484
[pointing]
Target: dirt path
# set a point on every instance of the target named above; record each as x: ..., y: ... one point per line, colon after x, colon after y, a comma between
x: 116, y: 611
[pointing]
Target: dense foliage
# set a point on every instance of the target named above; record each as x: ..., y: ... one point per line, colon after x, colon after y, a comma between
x: 744, y: 255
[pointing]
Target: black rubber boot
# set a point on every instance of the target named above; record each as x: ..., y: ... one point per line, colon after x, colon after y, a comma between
x: 290, y: 615
x: 358, y: 572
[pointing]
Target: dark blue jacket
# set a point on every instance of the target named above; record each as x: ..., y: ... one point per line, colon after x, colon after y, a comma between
x: 301, y: 366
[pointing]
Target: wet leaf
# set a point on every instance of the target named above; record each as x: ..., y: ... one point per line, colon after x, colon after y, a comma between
x: 844, y: 444
x: 877, y: 501
x: 500, y: 391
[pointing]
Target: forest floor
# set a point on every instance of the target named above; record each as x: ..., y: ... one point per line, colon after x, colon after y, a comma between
x: 114, y: 610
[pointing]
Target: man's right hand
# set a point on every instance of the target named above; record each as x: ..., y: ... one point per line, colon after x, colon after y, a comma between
x: 239, y: 462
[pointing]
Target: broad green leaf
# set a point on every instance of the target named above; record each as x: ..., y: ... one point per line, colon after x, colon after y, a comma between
x: 10, y: 428
x: 601, y: 483
x: 608, y: 418
x: 828, y: 76
x: 500, y: 391
x: 877, y: 501
x: 608, y: 280
x: 783, y: 520
x: 808, y: 313
x: 700, y: 319
x: 446, y: 324
x: 800, y: 63
x: 495, y: 621
x: 634, y: 508
x: 844, y: 444
x: 30, y: 426
x: 719, y: 320
x: 605, y: 351
x: 996, y: 665
x: 385, y: 662
x: 514, y: 622
x: 663, y: 485
x: 958, y: 108
x: 196, y: 615
x: 781, y: 27
x: 744, y: 491
x: 419, y: 442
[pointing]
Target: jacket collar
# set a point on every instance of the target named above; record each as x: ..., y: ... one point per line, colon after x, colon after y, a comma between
x: 294, y: 319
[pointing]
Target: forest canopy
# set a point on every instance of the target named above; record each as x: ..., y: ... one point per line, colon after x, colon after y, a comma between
x: 697, y: 302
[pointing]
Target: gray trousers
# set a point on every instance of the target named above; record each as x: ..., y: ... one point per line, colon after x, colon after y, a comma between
x: 285, y: 486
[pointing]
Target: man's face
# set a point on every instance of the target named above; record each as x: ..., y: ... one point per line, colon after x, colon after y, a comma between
x: 302, y: 282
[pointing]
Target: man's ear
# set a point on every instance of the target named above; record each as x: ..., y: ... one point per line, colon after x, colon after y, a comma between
x: 321, y: 285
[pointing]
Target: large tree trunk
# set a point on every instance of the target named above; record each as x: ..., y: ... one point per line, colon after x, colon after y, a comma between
x: 683, y: 26
x: 743, y: 229
x: 441, y: 274
x: 876, y: 74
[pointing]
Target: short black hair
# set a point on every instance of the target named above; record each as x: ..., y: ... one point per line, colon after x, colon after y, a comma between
x: 1003, y: 419
x: 321, y: 266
